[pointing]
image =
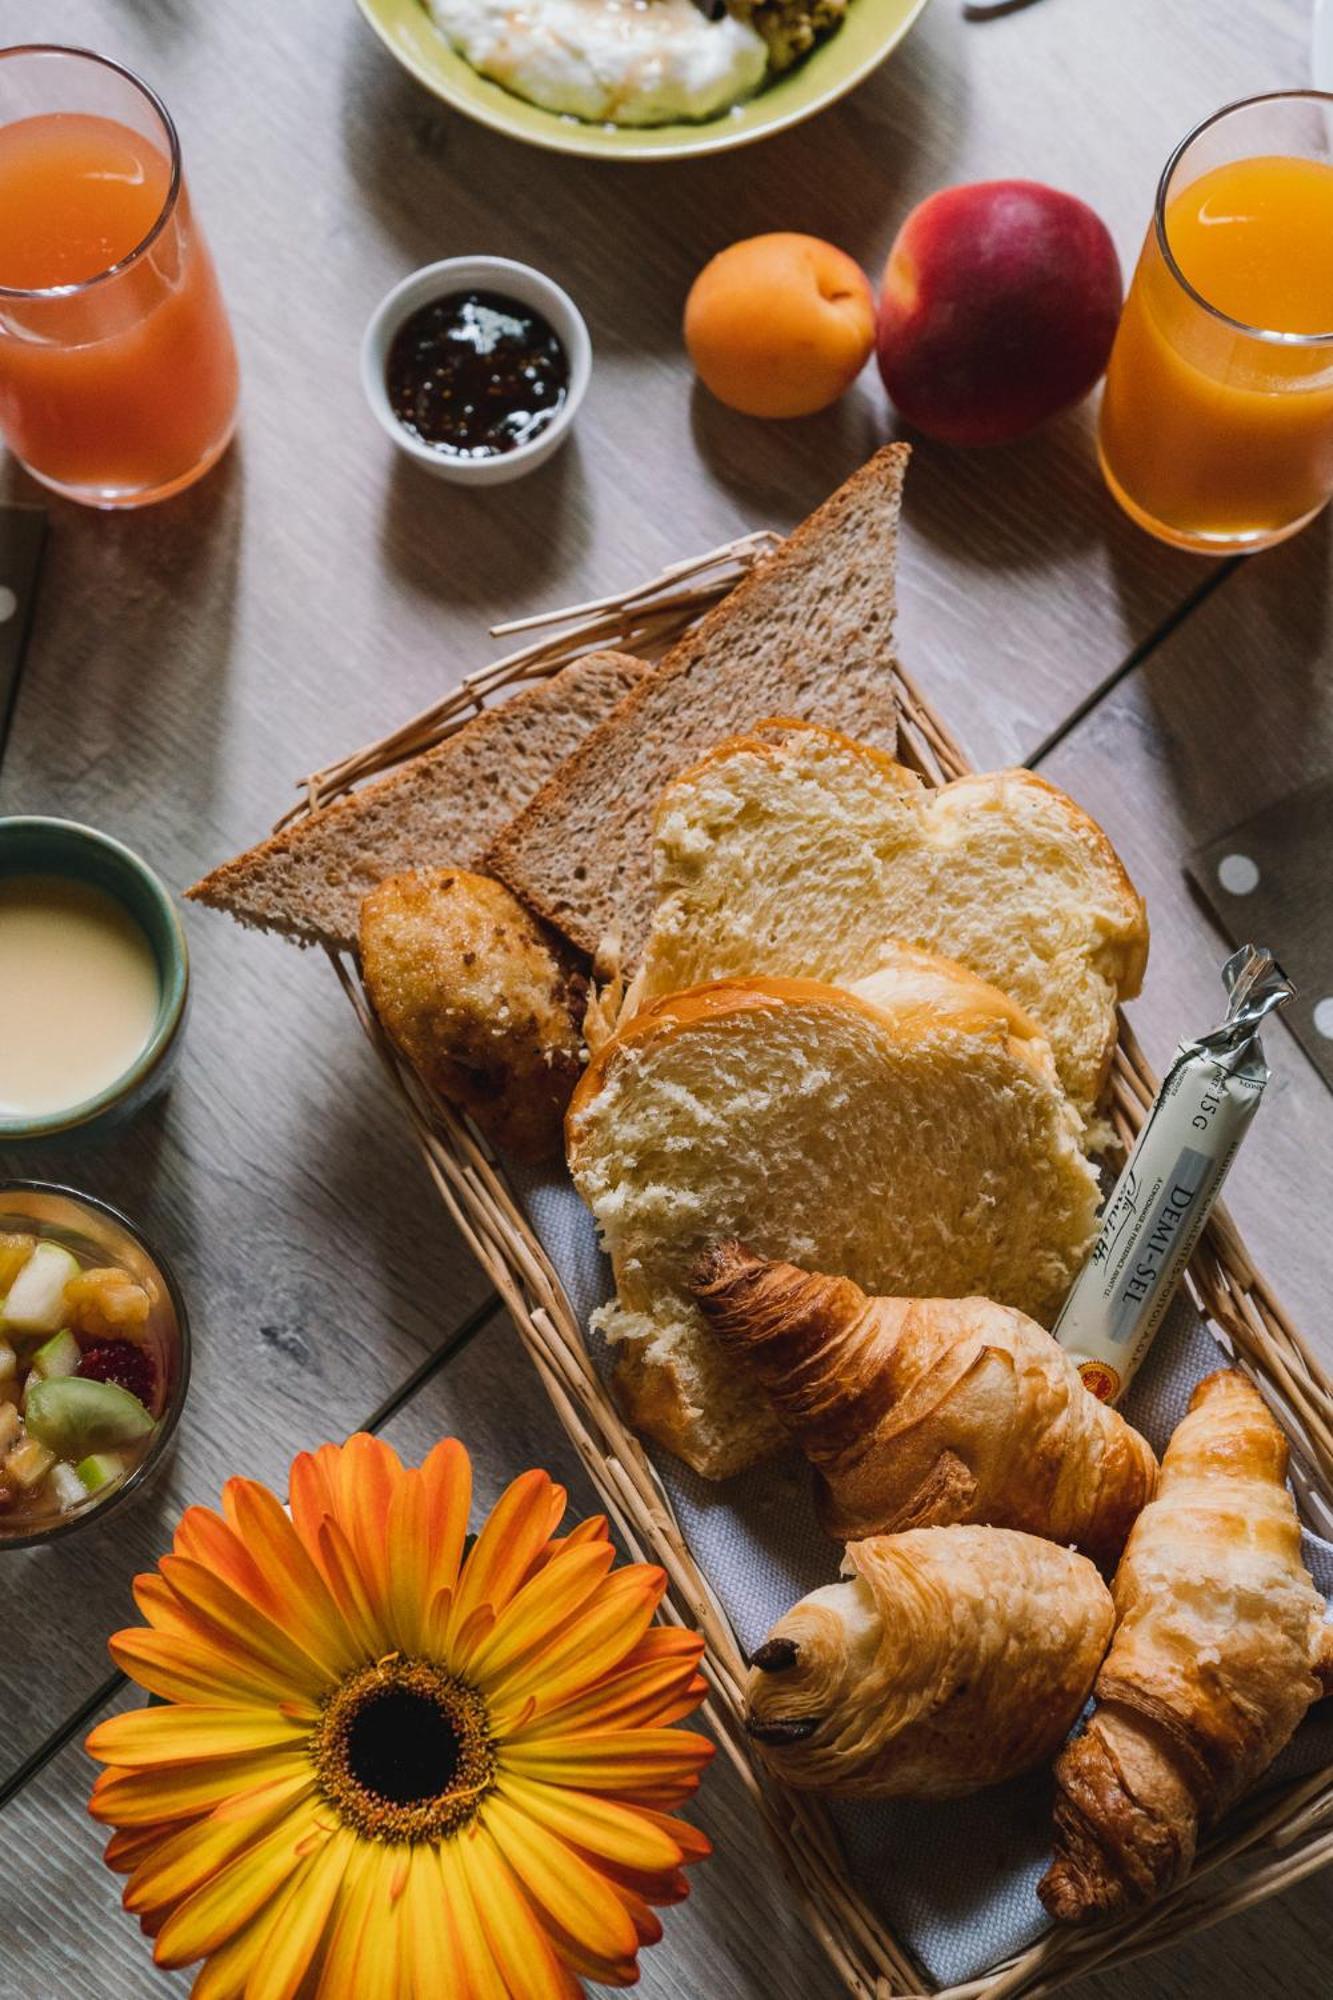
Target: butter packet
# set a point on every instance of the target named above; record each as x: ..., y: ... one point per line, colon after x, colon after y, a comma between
x: 1171, y: 1180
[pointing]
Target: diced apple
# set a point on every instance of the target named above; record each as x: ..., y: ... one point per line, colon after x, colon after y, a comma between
x: 60, y: 1355
x: 28, y: 1464
x: 9, y: 1368
x: 66, y: 1486
x: 75, y: 1416
x: 35, y: 1302
x: 11, y: 1428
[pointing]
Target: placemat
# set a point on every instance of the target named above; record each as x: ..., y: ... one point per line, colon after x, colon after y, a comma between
x: 955, y: 1881
x: 1272, y: 877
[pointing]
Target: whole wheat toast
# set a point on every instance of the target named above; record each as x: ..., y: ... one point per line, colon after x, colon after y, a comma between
x: 807, y: 634
x: 442, y: 809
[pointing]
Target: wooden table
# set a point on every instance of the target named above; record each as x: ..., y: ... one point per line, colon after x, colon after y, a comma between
x: 188, y: 663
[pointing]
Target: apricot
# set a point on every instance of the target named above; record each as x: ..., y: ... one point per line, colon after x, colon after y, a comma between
x: 999, y: 306
x: 780, y: 325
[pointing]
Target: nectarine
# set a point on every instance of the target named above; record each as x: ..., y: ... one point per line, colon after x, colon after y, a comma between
x: 999, y: 307
x: 780, y: 325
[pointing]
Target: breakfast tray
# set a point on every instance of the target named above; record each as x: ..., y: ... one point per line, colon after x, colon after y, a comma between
x: 1267, y: 1844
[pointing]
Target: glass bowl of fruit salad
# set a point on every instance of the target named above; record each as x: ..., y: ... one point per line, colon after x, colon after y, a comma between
x: 94, y: 1360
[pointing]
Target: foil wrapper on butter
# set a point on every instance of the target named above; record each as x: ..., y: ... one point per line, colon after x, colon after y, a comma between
x: 1171, y: 1180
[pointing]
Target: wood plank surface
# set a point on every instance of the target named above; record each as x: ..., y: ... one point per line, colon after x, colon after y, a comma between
x: 188, y: 663
x: 1230, y: 714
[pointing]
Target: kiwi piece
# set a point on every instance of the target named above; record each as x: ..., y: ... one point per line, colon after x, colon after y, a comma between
x: 74, y: 1417
x: 100, y: 1469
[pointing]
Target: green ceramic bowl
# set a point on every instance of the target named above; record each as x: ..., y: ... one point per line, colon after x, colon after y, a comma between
x: 870, y: 30
x: 32, y: 846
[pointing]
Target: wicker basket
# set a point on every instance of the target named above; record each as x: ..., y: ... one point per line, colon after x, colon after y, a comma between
x: 1263, y: 1847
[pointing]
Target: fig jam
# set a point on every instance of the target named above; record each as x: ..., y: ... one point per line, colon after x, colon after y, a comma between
x: 475, y: 374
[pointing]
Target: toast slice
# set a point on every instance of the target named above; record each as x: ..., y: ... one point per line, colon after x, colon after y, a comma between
x: 910, y: 1134
x: 795, y: 851
x: 808, y: 633
x: 440, y: 810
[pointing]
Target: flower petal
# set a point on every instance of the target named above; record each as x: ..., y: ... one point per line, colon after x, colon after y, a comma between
x: 190, y: 1670
x: 513, y: 1931
x: 599, y: 1826
x: 519, y: 1525
x: 368, y: 1472
x: 446, y: 1475
x: 186, y: 1733
x: 185, y: 1862
x: 361, y: 1960
x: 480, y: 1976
x: 593, y: 1528
x: 237, y: 1893
x: 627, y: 1763
x: 573, y: 1898
x: 246, y: 1626
x: 297, y: 1591
x: 368, y: 1469
x: 223, y: 1975
x: 293, y: 1934
x: 590, y: 1644
x: 350, y: 1591
x: 408, y: 1562
x: 693, y: 1842
x: 657, y: 1684
x: 559, y: 1589
x: 240, y: 1650
x: 149, y: 1798
x: 312, y: 1492
x: 430, y: 1959
x: 127, y: 1848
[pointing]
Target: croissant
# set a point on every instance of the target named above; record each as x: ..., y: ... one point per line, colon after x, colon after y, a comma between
x: 923, y: 1411
x: 949, y: 1659
x: 1219, y: 1651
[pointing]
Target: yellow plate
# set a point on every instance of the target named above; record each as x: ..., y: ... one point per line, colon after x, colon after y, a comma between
x: 870, y: 30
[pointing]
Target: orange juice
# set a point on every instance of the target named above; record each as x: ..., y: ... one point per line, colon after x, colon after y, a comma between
x: 1212, y: 435
x: 122, y: 387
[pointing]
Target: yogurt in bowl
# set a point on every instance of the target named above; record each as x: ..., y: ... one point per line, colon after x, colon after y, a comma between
x: 622, y: 62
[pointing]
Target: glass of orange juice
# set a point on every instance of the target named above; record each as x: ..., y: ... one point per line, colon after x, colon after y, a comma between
x: 118, y: 377
x: 1217, y: 418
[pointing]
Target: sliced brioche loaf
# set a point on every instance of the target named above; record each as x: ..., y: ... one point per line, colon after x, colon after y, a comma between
x: 440, y: 810
x: 793, y: 850
x: 911, y: 1135
x: 808, y: 633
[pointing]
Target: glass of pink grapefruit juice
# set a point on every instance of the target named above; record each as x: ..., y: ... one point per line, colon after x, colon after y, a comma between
x: 118, y: 378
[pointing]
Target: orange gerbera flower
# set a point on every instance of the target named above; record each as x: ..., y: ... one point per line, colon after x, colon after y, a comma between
x: 390, y: 1769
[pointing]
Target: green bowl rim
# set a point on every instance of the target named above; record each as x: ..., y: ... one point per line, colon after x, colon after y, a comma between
x: 175, y: 981
x: 564, y: 135
x: 169, y: 1421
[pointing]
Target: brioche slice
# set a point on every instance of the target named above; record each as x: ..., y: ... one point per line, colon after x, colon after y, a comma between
x: 807, y: 633
x: 440, y: 810
x: 793, y: 850
x: 910, y: 1134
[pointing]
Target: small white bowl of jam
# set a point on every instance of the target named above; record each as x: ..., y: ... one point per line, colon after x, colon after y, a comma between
x: 476, y: 367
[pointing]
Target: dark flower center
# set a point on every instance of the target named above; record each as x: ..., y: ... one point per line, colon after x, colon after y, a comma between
x: 402, y: 1747
x: 403, y: 1750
